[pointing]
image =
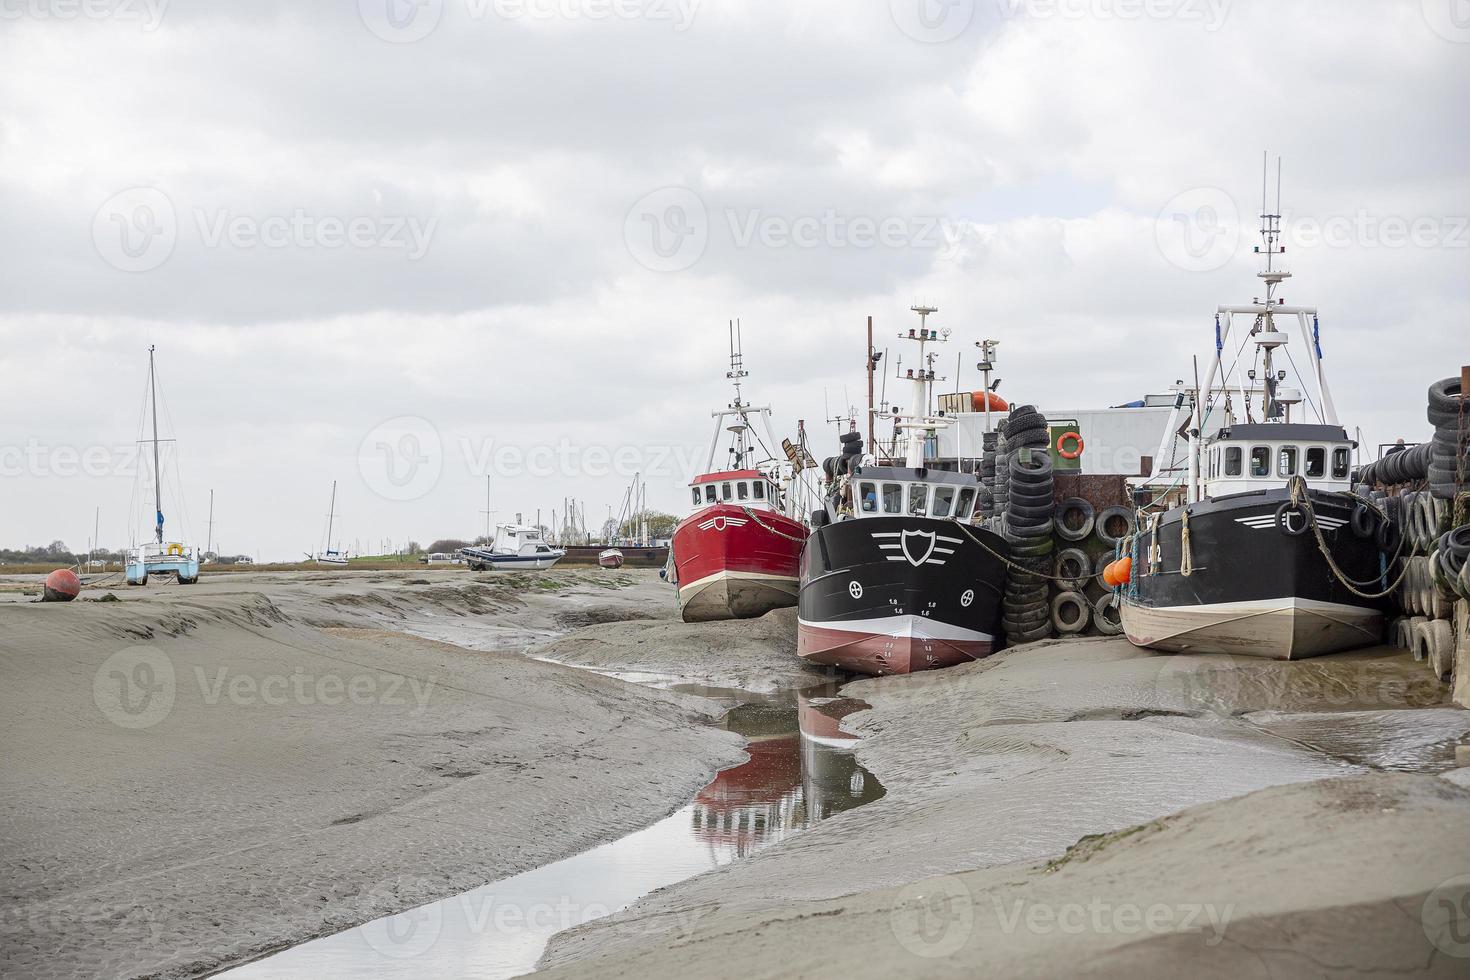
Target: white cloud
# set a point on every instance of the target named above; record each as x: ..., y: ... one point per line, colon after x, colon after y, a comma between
x: 1041, y: 147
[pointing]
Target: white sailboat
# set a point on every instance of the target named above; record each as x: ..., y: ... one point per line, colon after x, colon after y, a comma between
x: 160, y: 557
x: 328, y: 555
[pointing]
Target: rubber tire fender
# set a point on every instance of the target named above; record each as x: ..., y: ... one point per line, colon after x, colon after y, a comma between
x: 1075, y: 505
x: 1105, y: 516
x: 1284, y: 526
x: 1077, y: 558
x: 1364, y: 522
x: 1076, y: 600
x: 1032, y: 474
x: 1101, y: 608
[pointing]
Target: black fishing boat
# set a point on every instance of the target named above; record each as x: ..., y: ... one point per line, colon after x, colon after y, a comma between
x: 894, y: 577
x: 1269, y: 554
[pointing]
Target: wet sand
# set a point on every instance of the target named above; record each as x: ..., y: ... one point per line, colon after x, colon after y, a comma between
x: 1008, y: 763
x: 1332, y: 878
x: 1300, y: 803
x: 197, y: 776
x: 754, y: 655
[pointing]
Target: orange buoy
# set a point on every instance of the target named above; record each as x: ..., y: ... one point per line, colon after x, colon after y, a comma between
x: 979, y: 398
x: 1073, y: 452
x: 1108, y: 571
x: 62, y: 585
x: 1125, y: 570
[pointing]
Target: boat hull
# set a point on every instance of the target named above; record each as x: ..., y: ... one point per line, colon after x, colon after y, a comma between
x: 610, y: 559
x: 1256, y: 590
x: 479, y: 561
x: 184, y: 567
x: 896, y: 595
x: 734, y: 563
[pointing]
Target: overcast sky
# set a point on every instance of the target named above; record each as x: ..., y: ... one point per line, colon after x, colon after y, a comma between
x: 404, y: 244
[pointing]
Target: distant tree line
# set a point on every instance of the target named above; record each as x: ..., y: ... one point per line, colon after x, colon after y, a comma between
x: 55, y: 553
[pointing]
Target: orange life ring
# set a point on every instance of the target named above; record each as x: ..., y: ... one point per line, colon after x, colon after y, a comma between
x: 1073, y: 454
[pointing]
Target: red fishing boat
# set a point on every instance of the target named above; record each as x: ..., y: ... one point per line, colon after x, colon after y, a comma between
x: 738, y: 555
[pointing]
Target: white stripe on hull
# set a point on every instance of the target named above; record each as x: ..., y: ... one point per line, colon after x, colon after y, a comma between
x: 906, y: 626
x: 1281, y: 629
x: 505, y: 564
x: 735, y: 595
x: 766, y: 577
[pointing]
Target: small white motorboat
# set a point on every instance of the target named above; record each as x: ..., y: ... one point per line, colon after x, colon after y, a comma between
x: 515, y: 546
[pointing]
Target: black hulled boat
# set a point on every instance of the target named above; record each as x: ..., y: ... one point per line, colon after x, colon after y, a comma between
x: 1238, y: 567
x: 894, y: 577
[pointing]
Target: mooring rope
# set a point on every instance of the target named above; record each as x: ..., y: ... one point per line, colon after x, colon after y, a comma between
x: 1302, y: 501
x: 1019, y: 568
x: 1186, y: 559
x: 776, y: 531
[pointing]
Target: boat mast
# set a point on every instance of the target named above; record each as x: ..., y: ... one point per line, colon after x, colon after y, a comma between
x: 917, y: 424
x: 736, y: 373
x: 1267, y: 336
x: 157, y: 487
x: 331, y: 511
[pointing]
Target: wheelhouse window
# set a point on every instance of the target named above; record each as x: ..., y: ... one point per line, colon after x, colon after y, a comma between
x: 696, y: 496
x: 967, y: 500
x: 724, y: 491
x: 1260, y: 461
x: 1286, y: 461
x: 742, y: 490
x: 1340, y: 462
x: 1233, y: 456
x: 1316, y: 463
x: 759, y: 490
x: 868, y: 497
x: 893, y: 498
x: 943, y: 501
x: 918, y: 499
x: 709, y: 493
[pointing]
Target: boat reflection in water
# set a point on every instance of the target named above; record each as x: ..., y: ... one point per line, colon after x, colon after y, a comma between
x: 801, y: 770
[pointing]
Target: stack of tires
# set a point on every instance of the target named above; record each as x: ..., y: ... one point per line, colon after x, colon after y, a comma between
x: 1407, y: 466
x: 1449, y: 562
x: 1449, y: 413
x: 852, y: 451
x: 1072, y: 567
x: 1002, y: 488
x: 1434, y: 592
x: 1029, y: 524
x: 987, y: 475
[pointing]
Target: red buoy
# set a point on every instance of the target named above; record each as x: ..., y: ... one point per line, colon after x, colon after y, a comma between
x: 62, y: 585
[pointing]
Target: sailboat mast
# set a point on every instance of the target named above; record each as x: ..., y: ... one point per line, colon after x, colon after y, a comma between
x: 331, y: 512
x: 157, y: 487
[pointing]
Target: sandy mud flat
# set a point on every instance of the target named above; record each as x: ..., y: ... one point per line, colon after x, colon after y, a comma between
x: 197, y: 777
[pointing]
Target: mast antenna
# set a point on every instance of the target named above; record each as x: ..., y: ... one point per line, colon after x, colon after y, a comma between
x: 737, y: 360
x: 157, y: 487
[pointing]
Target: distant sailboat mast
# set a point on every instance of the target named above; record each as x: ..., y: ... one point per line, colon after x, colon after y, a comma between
x: 157, y: 485
x: 331, y: 510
